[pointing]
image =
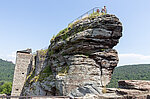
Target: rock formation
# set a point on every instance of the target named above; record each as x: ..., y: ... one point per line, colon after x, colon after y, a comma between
x: 134, y: 89
x: 79, y: 61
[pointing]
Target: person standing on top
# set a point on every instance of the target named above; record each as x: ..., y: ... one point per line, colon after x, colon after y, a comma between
x: 97, y: 11
x: 104, y: 10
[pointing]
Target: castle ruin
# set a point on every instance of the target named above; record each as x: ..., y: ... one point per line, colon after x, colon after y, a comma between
x: 23, y: 62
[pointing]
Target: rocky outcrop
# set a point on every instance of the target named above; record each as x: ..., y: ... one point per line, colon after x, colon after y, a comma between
x: 134, y: 89
x: 135, y: 84
x: 79, y: 61
x: 128, y: 89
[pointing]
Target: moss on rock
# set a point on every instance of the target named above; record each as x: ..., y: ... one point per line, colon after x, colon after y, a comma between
x: 46, y: 72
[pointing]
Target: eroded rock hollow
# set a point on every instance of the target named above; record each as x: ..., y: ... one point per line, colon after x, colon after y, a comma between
x: 79, y: 61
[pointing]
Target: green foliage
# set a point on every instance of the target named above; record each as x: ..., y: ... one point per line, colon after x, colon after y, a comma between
x: 64, y: 36
x: 6, y: 76
x: 31, y: 75
x: 43, y: 51
x: 52, y: 38
x: 70, y: 26
x: 64, y: 69
x: 43, y: 74
x: 94, y: 15
x: 102, y: 50
x: 130, y: 72
x: 6, y: 70
x: 46, y: 72
x: 62, y: 31
x: 5, y: 88
x: 47, y: 69
x: 50, y: 52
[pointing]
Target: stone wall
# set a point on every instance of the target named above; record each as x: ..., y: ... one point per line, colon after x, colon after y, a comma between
x: 23, y: 63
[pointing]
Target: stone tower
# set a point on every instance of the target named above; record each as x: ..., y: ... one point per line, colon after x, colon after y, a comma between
x: 23, y: 62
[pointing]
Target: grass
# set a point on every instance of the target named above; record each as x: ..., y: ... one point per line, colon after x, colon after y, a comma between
x: 45, y: 73
x: 70, y: 30
x: 43, y: 51
x: 70, y: 26
x: 63, y: 71
x: 104, y: 90
x: 50, y: 52
x: 102, y: 50
x: 31, y: 74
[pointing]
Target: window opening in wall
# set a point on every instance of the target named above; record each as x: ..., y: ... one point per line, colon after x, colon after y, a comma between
x: 22, y: 73
x: 17, y: 89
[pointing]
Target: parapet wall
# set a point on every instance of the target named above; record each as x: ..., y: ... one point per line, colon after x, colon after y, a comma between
x: 23, y: 62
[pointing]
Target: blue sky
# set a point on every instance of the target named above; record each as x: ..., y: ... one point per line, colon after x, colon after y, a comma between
x: 32, y: 23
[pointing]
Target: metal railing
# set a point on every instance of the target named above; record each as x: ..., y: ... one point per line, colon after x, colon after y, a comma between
x: 86, y: 14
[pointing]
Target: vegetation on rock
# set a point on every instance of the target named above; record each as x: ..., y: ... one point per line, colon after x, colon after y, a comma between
x: 43, y: 51
x: 46, y: 72
x: 63, y: 32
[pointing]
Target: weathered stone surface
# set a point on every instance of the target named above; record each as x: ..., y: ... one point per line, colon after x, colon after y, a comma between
x: 23, y: 64
x: 135, y: 84
x: 119, y: 93
x: 132, y: 92
x: 41, y: 61
x: 133, y: 89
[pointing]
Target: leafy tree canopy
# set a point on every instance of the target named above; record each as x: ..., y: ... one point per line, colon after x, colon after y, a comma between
x: 130, y: 72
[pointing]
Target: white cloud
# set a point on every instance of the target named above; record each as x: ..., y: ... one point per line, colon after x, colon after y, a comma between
x: 12, y: 57
x: 132, y: 58
x: 9, y: 57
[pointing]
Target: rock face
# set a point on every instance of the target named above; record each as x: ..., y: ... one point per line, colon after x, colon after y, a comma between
x: 128, y: 89
x: 78, y: 62
x: 134, y: 89
x: 135, y: 84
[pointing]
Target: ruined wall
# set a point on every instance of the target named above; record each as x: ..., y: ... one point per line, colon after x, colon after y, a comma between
x: 23, y: 63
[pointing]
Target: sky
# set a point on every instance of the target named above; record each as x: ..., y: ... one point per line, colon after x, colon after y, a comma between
x: 32, y: 23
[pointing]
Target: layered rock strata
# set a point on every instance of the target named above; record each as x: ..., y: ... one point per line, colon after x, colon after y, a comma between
x: 78, y: 62
x: 134, y: 89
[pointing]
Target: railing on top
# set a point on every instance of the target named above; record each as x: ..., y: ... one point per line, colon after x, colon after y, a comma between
x: 86, y: 14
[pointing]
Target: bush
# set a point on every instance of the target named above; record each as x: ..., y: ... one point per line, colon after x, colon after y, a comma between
x: 6, y: 88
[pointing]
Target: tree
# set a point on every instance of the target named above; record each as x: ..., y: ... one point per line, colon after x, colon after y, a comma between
x: 6, y: 88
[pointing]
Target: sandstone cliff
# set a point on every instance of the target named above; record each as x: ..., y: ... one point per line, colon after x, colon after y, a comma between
x: 79, y: 60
